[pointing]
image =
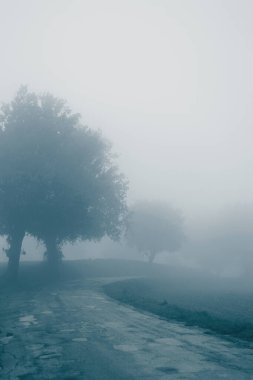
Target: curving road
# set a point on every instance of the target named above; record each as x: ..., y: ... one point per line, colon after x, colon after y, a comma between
x: 76, y: 332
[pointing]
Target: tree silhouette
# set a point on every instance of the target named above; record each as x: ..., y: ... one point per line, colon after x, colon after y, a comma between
x: 154, y: 227
x: 58, y: 181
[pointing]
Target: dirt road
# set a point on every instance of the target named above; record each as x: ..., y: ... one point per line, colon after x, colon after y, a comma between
x: 74, y: 331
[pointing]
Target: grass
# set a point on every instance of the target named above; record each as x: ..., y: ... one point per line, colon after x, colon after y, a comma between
x: 139, y: 294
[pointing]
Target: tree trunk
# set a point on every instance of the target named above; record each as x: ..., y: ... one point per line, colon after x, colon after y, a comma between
x: 53, y: 253
x: 15, y: 240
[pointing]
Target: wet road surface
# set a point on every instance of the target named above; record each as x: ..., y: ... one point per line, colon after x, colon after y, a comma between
x: 74, y: 331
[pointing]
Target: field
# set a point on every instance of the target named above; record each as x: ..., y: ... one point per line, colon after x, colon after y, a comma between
x: 220, y: 306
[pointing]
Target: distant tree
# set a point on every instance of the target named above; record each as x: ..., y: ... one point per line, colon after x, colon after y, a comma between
x: 58, y: 181
x: 154, y: 227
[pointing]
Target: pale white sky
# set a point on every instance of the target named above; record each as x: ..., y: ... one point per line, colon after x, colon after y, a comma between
x: 169, y: 82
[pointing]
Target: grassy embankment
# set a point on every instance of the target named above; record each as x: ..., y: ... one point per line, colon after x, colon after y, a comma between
x: 216, y: 311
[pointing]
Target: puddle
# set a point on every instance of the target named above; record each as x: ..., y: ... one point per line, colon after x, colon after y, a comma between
x: 67, y: 330
x: 49, y: 356
x: 35, y: 347
x: 169, y: 341
x: 6, y: 339
x: 36, y: 350
x: 79, y: 340
x: 28, y: 320
x: 126, y: 347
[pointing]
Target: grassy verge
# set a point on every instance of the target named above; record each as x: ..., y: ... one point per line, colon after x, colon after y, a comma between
x: 136, y: 294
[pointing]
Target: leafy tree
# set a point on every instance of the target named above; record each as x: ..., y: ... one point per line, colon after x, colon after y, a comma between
x: 58, y: 181
x: 154, y: 227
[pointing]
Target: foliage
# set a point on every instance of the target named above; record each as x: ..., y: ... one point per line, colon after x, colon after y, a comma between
x: 58, y: 181
x: 154, y: 227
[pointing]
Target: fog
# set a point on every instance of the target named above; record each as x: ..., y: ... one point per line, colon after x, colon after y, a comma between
x: 170, y: 84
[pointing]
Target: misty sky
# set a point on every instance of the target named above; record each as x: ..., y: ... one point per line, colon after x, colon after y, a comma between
x: 169, y: 82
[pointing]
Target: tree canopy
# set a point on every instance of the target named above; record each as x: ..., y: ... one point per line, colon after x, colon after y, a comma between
x: 58, y: 181
x: 154, y: 227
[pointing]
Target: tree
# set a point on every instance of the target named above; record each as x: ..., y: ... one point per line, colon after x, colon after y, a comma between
x: 58, y: 181
x: 154, y: 227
